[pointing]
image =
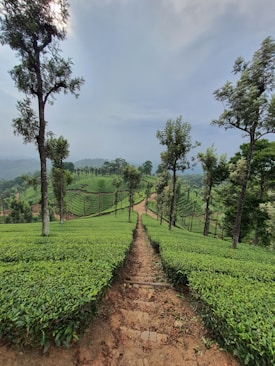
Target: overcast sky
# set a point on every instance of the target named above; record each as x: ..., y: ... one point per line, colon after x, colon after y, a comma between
x: 143, y: 61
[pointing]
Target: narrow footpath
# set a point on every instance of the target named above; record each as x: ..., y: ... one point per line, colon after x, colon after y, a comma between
x: 142, y: 321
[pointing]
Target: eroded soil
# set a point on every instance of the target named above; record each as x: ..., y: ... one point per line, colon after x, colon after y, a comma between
x: 141, y: 322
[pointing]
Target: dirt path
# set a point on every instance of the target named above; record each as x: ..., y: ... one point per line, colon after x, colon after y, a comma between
x: 141, y: 322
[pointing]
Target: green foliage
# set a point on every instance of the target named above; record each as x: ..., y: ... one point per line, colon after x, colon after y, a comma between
x: 50, y: 286
x: 87, y: 194
x: 90, y: 183
x: 83, y: 204
x: 177, y: 140
x: 33, y: 29
x: 131, y: 177
x: 20, y: 212
x: 249, y: 106
x: 234, y: 289
x: 240, y: 313
x: 146, y: 167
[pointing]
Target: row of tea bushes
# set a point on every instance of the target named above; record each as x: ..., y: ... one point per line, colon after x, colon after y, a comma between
x: 50, y: 286
x: 234, y: 289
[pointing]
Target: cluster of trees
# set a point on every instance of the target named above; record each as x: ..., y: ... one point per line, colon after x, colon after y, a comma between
x: 249, y: 106
x: 114, y: 167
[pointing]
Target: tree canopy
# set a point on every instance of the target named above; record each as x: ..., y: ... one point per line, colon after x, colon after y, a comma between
x: 177, y: 139
x: 249, y: 106
x: 33, y: 28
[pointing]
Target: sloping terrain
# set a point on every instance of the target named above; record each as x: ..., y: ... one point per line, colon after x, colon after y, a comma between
x: 142, y: 321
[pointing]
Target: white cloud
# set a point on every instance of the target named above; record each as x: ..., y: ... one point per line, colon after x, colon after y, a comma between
x: 181, y: 22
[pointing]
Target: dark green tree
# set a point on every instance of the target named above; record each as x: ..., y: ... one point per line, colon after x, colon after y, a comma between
x: 215, y: 171
x: 119, y: 164
x: 21, y: 212
x: 117, y: 182
x: 176, y: 137
x: 161, y: 188
x: 146, y: 167
x: 68, y: 165
x: 33, y: 28
x: 262, y: 179
x: 57, y: 150
x: 249, y: 106
x: 131, y: 177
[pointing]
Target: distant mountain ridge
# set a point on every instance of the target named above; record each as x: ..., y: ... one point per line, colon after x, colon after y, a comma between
x: 13, y: 168
x: 10, y: 169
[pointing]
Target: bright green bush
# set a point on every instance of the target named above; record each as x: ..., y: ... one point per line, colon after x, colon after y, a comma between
x: 234, y: 289
x: 50, y: 286
x: 240, y: 313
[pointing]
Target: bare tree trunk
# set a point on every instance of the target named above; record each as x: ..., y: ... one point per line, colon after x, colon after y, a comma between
x: 237, y: 226
x: 207, y: 212
x: 130, y: 205
x: 172, y: 203
x: 42, y: 150
x: 43, y: 172
x: 238, y: 220
x: 61, y: 211
x: 44, y: 193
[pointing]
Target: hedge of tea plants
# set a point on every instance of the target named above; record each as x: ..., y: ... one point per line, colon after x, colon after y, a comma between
x: 234, y: 289
x: 50, y: 286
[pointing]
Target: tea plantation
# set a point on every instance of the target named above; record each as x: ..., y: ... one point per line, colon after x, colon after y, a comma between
x: 234, y: 289
x: 50, y: 286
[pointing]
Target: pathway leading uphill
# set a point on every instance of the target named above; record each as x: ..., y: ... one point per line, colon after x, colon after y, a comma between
x: 141, y: 322
x: 144, y: 322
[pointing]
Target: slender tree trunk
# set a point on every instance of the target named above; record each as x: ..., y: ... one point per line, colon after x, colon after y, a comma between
x: 43, y: 172
x: 261, y: 194
x: 207, y: 212
x: 42, y: 150
x: 61, y: 213
x: 130, y: 206
x: 44, y: 194
x: 116, y: 201
x: 172, y: 204
x: 238, y: 220
x: 237, y: 226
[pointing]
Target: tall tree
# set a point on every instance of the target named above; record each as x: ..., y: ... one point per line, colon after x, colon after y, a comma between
x: 215, y: 171
x: 249, y: 106
x: 146, y: 167
x: 176, y: 137
x: 262, y: 179
x: 57, y: 150
x: 148, y: 194
x: 119, y: 165
x: 117, y: 184
x: 229, y: 196
x: 33, y: 29
x: 161, y: 188
x: 131, y: 177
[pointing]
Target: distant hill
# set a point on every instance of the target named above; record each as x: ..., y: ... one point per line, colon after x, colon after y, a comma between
x: 96, y: 163
x: 10, y: 169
